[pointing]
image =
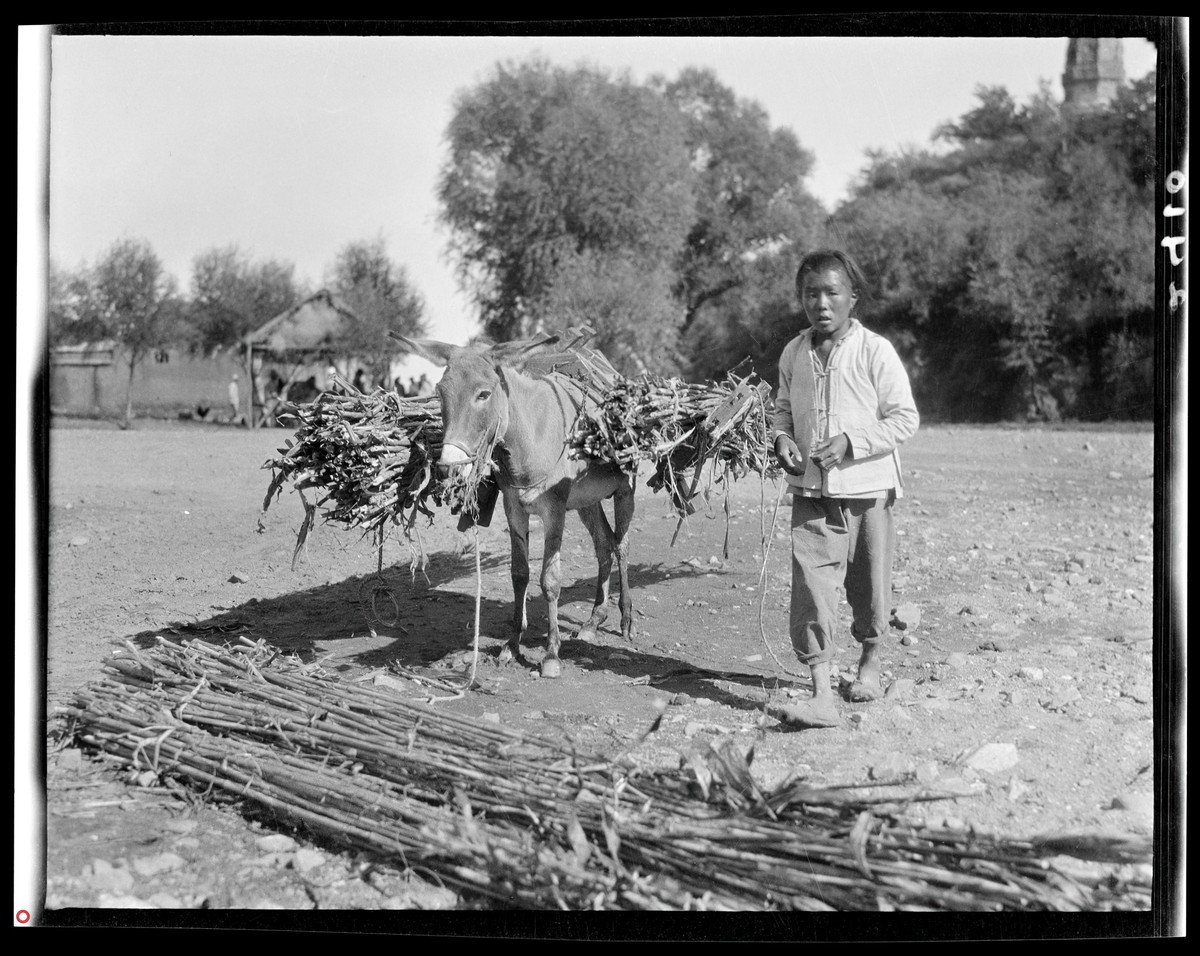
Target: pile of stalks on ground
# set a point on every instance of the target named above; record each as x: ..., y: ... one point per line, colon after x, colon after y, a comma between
x: 368, y: 459
x: 511, y: 819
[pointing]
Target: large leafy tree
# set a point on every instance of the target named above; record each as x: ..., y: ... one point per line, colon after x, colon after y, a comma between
x: 751, y: 200
x: 659, y: 214
x: 552, y: 171
x: 380, y: 295
x: 232, y: 295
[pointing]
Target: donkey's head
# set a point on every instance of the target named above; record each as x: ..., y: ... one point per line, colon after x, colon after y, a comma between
x: 473, y: 398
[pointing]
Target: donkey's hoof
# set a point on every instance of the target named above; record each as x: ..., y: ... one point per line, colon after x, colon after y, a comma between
x: 506, y: 654
x: 551, y: 667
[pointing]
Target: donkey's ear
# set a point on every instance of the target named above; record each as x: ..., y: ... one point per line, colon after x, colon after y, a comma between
x: 439, y: 353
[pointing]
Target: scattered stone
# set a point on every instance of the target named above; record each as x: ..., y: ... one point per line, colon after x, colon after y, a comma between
x: 387, y: 680
x: 307, y: 859
x: 106, y: 901
x: 1058, y: 698
x: 899, y: 582
x: 1064, y: 650
x: 1143, y: 558
x: 957, y: 660
x: 992, y: 758
x: 857, y: 718
x: 1139, y: 803
x: 1115, y: 476
x: 159, y: 863
x: 492, y: 717
x: 680, y: 699
x: 78, y: 541
x: 928, y: 772
x: 534, y: 715
x: 275, y: 843
x: 1089, y: 447
x: 619, y: 656
x: 70, y: 759
x: 966, y: 609
x: 1031, y: 673
x: 1017, y: 697
x: 166, y: 901
x: 1053, y: 596
x: 906, y: 617
x: 180, y: 826
x: 908, y: 640
x: 1142, y: 693
x: 901, y: 689
x: 889, y: 766
x: 238, y: 577
x: 102, y: 875
x: 1017, y: 788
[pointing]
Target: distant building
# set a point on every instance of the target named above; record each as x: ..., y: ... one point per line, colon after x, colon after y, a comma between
x: 1095, y: 70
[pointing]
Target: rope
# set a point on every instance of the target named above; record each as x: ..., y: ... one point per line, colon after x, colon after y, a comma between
x: 768, y: 536
x: 461, y: 692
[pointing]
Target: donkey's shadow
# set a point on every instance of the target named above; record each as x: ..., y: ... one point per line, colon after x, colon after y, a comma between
x: 423, y: 618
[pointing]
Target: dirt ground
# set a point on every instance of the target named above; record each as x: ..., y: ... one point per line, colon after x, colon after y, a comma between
x: 1024, y: 577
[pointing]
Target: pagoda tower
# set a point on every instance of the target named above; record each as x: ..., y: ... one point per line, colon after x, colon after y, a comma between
x: 1095, y: 69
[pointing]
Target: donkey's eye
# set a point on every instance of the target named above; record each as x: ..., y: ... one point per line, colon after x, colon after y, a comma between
x: 484, y: 395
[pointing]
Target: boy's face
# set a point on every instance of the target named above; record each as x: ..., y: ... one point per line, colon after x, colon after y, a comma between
x: 827, y: 300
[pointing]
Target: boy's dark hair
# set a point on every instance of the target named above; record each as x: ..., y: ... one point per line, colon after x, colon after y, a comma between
x: 822, y: 259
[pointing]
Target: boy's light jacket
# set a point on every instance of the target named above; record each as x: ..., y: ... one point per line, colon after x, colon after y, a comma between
x: 864, y: 392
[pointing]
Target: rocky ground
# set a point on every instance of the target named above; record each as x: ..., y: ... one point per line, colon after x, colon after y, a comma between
x: 1020, y: 670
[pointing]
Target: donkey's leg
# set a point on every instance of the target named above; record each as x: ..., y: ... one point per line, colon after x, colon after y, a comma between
x: 622, y: 521
x: 596, y: 522
x: 518, y: 536
x: 553, y: 519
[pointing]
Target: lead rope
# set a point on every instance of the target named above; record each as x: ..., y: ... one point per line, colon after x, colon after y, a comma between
x: 762, y: 574
x: 461, y: 692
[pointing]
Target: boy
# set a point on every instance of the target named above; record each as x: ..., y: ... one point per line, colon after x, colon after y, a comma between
x: 844, y: 405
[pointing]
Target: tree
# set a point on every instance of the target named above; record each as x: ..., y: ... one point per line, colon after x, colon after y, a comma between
x: 1015, y: 268
x: 137, y: 301
x: 751, y: 199
x: 379, y: 294
x: 231, y: 295
x: 629, y: 305
x: 550, y: 168
x: 647, y: 211
x: 72, y: 311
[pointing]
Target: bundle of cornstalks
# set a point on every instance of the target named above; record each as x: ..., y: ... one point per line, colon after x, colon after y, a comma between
x: 678, y: 427
x: 514, y: 819
x: 369, y: 460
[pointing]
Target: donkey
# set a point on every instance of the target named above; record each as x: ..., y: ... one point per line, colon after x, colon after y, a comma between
x: 488, y: 393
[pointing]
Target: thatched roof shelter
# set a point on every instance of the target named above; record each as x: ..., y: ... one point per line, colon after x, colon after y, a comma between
x: 310, y: 329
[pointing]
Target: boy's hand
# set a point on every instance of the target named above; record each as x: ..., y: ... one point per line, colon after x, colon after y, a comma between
x: 788, y: 455
x: 831, y: 452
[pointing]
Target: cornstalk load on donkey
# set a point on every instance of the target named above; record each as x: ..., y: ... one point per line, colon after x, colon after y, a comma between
x: 509, y: 409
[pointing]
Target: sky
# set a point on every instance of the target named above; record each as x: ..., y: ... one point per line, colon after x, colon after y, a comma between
x: 289, y: 147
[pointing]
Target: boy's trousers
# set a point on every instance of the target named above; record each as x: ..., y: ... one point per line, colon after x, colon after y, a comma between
x: 837, y: 541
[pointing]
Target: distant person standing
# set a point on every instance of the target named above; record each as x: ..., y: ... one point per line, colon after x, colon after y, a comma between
x: 844, y: 406
x: 360, y: 380
x: 235, y: 402
x: 423, y: 387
